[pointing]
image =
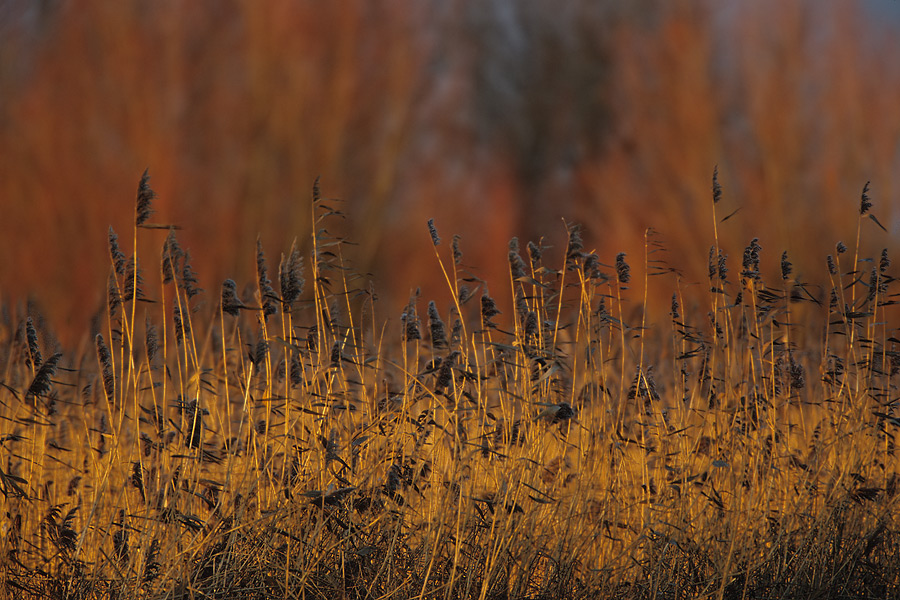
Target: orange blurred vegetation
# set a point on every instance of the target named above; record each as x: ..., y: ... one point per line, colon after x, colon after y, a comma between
x: 494, y: 118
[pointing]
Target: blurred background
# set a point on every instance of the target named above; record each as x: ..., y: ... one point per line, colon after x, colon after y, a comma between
x: 495, y: 118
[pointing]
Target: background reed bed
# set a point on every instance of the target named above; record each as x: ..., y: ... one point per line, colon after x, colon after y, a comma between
x: 282, y: 438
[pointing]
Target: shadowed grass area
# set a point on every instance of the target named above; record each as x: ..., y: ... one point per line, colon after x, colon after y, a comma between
x: 283, y: 439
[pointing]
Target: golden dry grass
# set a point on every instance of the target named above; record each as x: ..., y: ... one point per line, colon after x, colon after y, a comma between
x: 285, y: 440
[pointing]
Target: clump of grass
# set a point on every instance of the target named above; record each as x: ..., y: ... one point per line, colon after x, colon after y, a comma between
x: 294, y: 442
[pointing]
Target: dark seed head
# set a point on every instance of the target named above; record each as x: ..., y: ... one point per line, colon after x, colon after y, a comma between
x: 623, y: 271
x: 433, y: 231
x: 723, y: 268
x: 716, y: 188
x: 266, y: 293
x: 231, y: 304
x: 864, y: 203
x: 145, y: 196
x: 436, y: 325
x: 410, y: 320
x: 786, y: 266
x: 534, y: 253
x: 489, y: 309
x: 574, y: 247
x: 117, y: 256
x: 457, y: 253
x: 516, y: 264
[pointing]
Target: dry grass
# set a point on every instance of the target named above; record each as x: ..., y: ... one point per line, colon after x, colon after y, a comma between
x: 284, y: 440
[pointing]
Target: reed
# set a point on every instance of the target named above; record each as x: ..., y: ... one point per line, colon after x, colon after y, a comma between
x: 293, y: 442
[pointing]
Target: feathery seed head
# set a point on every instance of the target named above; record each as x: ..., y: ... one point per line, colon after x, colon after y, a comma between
x: 113, y: 299
x: 290, y: 277
x: 457, y: 253
x: 436, y: 325
x: 489, y: 310
x: 534, y: 253
x: 34, y: 351
x: 171, y: 256
x: 118, y: 257
x: 591, y: 266
x: 231, y: 304
x: 266, y: 293
x: 151, y: 339
x: 864, y: 203
x: 786, y: 267
x: 145, y: 196
x: 188, y: 277
x: 716, y: 188
x: 623, y: 271
x: 574, y: 246
x: 410, y: 320
x: 751, y: 260
x: 433, y: 231
x: 516, y: 264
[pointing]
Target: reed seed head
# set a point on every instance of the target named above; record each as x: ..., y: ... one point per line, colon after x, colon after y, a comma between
x: 456, y: 332
x: 716, y: 188
x: 535, y: 254
x: 592, y: 267
x: 115, y: 253
x: 516, y: 264
x: 623, y: 271
x: 189, y: 278
x: 133, y: 282
x: 457, y: 253
x: 182, y: 325
x: 266, y: 293
x: 574, y: 246
x: 34, y: 350
x: 751, y: 260
x: 864, y: 203
x: 145, y: 197
x: 436, y: 325
x: 489, y: 310
x: 231, y: 304
x: 290, y: 277
x: 113, y: 299
x: 410, y: 320
x: 445, y: 374
x: 171, y: 257
x: 41, y: 383
x: 786, y: 267
x: 433, y: 231
x: 151, y: 339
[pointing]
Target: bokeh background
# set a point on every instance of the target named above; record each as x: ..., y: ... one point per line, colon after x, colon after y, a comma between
x: 495, y: 118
